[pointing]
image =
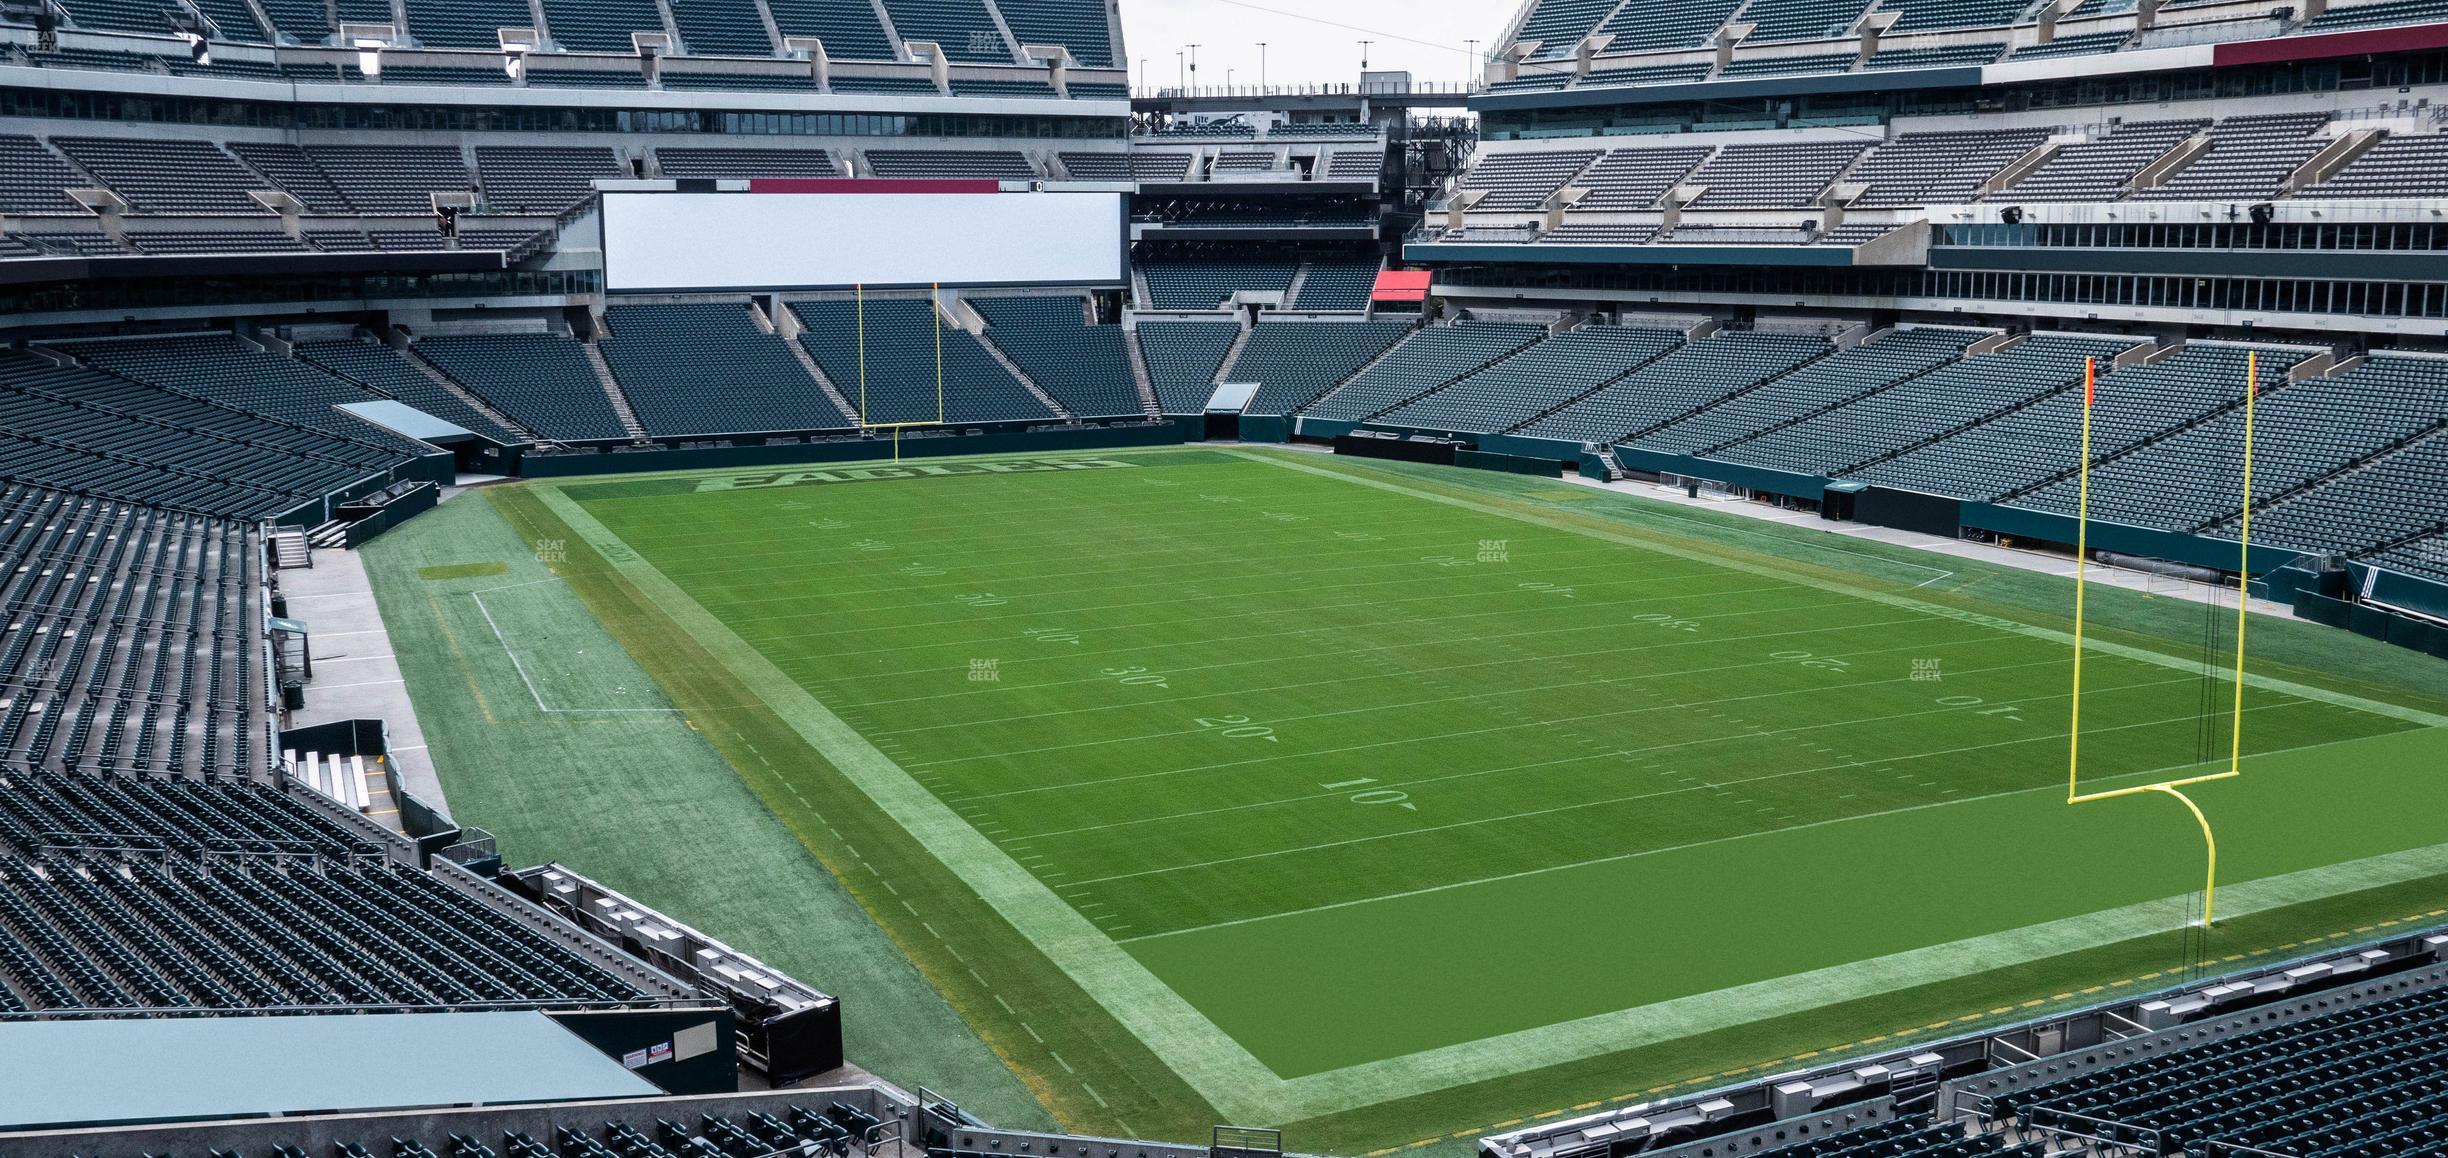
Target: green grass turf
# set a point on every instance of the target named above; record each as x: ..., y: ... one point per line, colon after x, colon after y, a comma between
x: 1362, y: 627
x: 1292, y: 741
x: 636, y: 797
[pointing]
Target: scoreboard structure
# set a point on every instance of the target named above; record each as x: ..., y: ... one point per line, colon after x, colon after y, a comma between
x: 798, y: 234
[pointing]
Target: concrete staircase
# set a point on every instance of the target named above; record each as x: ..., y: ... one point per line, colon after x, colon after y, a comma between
x: 612, y: 390
x: 1292, y: 289
x: 786, y: 327
x: 289, y: 549
x: 964, y: 316
x: 1022, y: 377
x: 1232, y: 356
x: 1139, y: 372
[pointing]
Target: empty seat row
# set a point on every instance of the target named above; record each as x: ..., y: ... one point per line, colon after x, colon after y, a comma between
x: 1536, y: 380
x: 1195, y: 281
x: 1424, y: 360
x: 132, y: 640
x: 1919, y: 409
x: 1182, y: 360
x: 1939, y: 168
x: 245, y: 934
x: 2100, y: 169
x: 1084, y: 366
x: 692, y: 369
x: 1689, y: 378
x: 2245, y: 158
x: 544, y: 382
x: 2361, y: 1081
x: 1294, y: 361
x: 2304, y: 431
x: 2041, y: 442
x: 1813, y: 388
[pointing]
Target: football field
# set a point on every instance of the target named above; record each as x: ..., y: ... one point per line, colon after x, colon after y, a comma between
x: 1334, y: 787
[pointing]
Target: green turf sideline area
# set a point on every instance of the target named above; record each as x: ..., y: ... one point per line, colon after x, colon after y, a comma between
x: 1359, y: 787
x: 545, y: 732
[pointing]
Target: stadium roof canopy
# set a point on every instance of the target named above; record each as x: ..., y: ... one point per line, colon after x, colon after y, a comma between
x: 81, y: 1073
x: 410, y: 421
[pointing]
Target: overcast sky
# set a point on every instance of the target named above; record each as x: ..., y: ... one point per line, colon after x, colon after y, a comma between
x: 1308, y: 41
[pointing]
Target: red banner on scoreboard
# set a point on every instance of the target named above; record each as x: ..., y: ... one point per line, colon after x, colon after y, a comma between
x: 869, y: 185
x: 2330, y: 45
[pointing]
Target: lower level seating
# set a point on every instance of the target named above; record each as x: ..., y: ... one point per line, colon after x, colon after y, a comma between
x: 2041, y: 442
x: 1293, y: 362
x: 132, y: 638
x: 2394, y: 498
x: 1537, y: 380
x: 1084, y: 367
x: 541, y: 381
x: 2363, y: 1081
x: 1424, y: 360
x: 1923, y: 408
x: 2426, y: 556
x: 380, y: 368
x: 1831, y: 381
x: 229, y: 372
x: 1182, y: 360
x: 2307, y: 430
x: 92, y: 933
x: 79, y: 428
x: 1697, y: 375
x: 693, y: 369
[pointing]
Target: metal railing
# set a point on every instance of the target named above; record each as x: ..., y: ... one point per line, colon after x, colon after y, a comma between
x: 475, y: 846
x: 1236, y: 91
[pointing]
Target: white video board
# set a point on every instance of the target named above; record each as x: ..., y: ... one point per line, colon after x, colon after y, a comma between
x: 687, y: 242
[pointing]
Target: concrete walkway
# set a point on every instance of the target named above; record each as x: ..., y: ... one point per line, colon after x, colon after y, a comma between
x: 355, y: 675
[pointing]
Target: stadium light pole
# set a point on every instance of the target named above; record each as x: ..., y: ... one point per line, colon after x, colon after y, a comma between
x: 1193, y: 64
x: 1364, y: 49
x: 1470, y: 71
x: 1262, y: 78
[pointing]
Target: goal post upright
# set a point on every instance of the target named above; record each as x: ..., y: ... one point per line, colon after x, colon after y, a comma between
x: 2082, y: 575
x: 935, y: 300
x: 861, y: 326
x: 866, y: 419
x: 2082, y: 544
x: 2252, y: 394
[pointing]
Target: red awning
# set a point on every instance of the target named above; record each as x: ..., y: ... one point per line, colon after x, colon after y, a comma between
x: 1402, y: 285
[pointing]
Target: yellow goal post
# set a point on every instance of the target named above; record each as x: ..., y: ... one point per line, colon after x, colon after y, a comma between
x: 2082, y: 564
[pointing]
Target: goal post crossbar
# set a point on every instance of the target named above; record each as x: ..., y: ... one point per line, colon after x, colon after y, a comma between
x: 2082, y: 550
x: 865, y: 419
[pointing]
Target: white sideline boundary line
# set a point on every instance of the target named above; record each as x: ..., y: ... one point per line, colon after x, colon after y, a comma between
x: 521, y: 668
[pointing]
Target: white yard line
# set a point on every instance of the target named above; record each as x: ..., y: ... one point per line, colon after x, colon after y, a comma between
x: 2140, y: 777
x: 521, y: 668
